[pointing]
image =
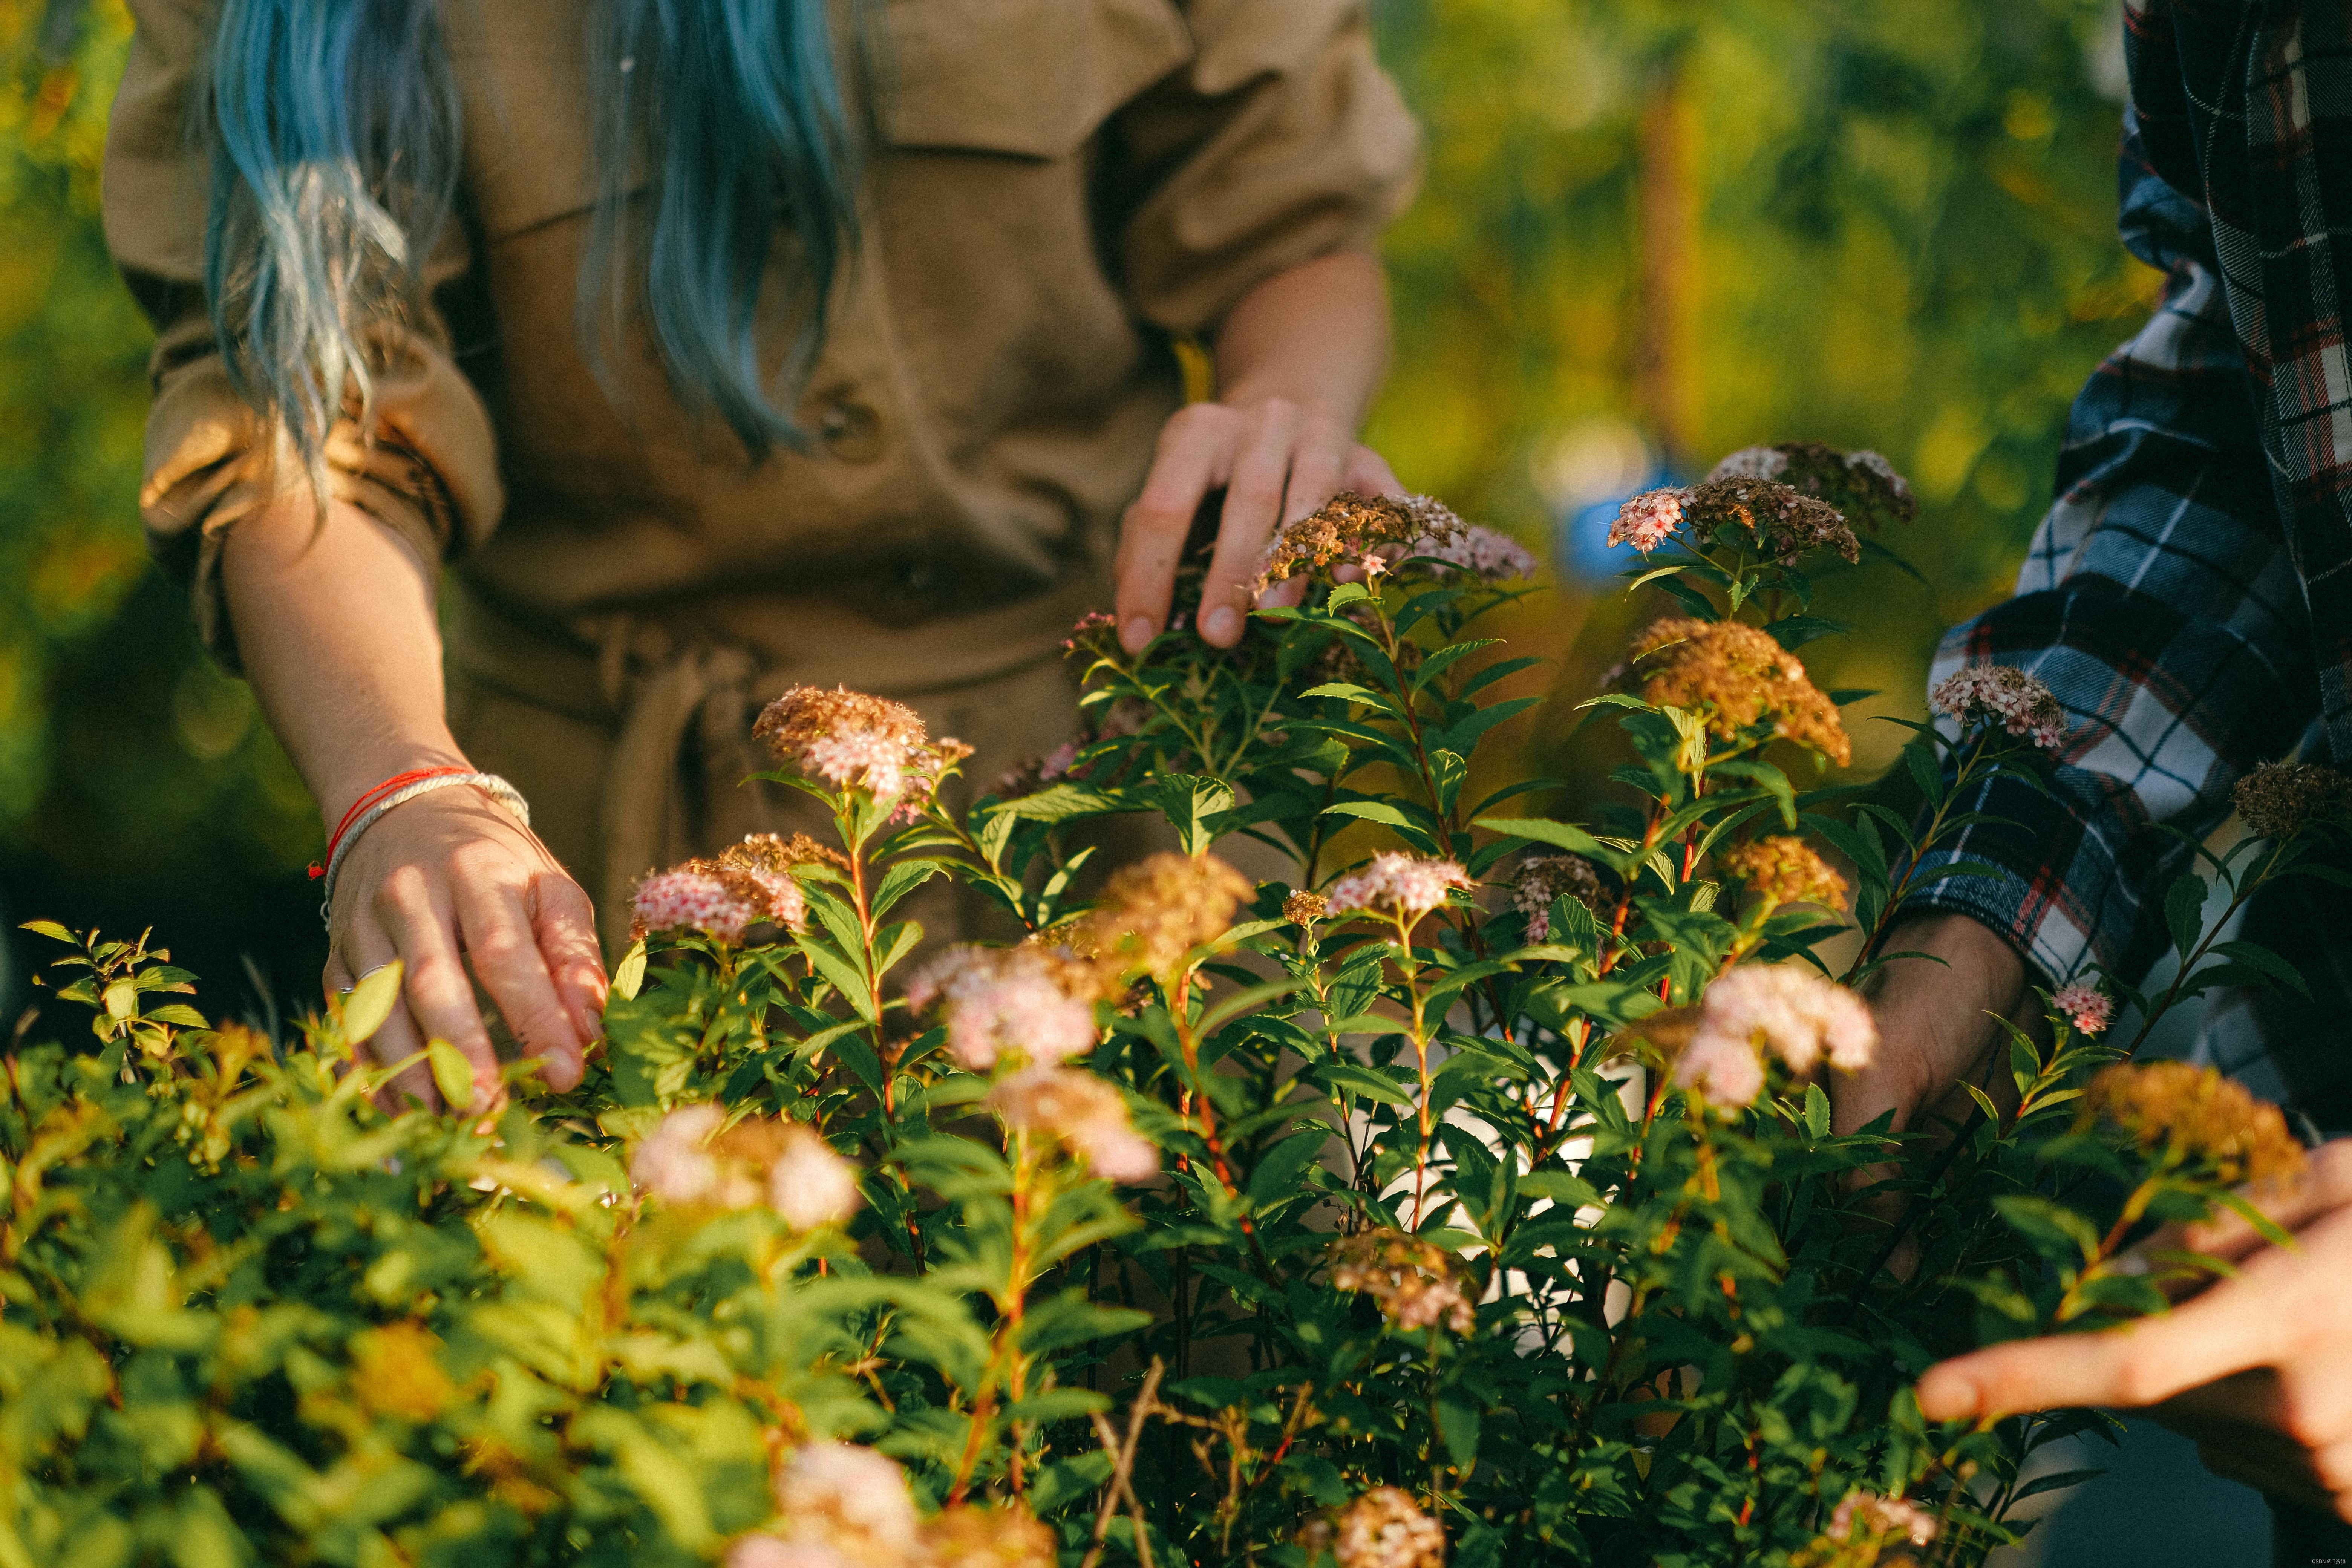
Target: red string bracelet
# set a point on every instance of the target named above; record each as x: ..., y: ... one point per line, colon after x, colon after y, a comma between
x: 397, y: 781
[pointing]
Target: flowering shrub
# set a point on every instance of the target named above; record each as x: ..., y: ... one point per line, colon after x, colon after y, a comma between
x: 1465, y: 1197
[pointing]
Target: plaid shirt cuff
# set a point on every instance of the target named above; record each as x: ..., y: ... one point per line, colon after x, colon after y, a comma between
x: 2021, y: 901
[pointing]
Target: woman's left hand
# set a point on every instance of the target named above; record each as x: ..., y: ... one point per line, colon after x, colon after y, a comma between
x: 2257, y: 1369
x: 1277, y: 461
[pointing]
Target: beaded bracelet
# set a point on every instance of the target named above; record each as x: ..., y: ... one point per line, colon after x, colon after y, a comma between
x: 353, y: 826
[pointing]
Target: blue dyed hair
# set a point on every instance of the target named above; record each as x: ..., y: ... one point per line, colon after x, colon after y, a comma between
x: 336, y: 128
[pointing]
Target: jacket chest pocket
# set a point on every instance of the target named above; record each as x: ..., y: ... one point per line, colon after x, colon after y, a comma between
x: 1027, y: 78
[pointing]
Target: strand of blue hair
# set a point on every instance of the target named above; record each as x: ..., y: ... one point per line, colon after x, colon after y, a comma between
x: 336, y: 132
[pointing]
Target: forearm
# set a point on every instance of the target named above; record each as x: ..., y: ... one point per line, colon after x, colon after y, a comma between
x: 1937, y: 1020
x: 337, y: 630
x: 1315, y: 335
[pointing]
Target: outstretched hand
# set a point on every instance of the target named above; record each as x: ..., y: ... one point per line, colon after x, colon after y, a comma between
x: 2256, y: 1368
x: 447, y: 881
x: 1277, y: 461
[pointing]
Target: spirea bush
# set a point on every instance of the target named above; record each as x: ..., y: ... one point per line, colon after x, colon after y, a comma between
x: 1463, y: 1192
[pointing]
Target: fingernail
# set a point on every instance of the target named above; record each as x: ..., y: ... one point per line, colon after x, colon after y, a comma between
x: 1136, y: 635
x: 1221, y: 625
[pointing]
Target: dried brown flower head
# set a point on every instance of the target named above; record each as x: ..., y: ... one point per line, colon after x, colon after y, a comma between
x: 1382, y: 1529
x: 1784, y: 870
x: 2279, y: 800
x: 2005, y: 695
x: 1544, y: 878
x: 1416, y: 1284
x: 1736, y: 676
x: 1783, y: 522
x: 1155, y: 911
x: 1862, y: 485
x: 1355, y: 528
x: 1305, y: 908
x: 970, y: 1535
x: 2195, y: 1111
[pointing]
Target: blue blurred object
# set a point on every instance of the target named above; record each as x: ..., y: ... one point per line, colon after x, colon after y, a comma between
x: 1584, y: 476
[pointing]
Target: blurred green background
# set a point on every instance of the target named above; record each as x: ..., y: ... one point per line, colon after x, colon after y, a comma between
x: 1649, y: 233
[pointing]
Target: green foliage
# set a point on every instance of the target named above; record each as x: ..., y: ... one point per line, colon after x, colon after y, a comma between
x: 1449, y: 1220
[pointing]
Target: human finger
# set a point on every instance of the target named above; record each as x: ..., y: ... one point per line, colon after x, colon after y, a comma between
x: 2141, y: 1364
x: 1253, y: 509
x: 440, y: 993
x: 502, y: 941
x: 1194, y: 456
x: 1368, y: 473
x: 565, y: 922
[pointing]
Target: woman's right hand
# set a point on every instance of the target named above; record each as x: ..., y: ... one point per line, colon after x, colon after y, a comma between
x: 449, y: 883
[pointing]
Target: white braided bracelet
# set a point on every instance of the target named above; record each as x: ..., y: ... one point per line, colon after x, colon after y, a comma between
x: 496, y: 788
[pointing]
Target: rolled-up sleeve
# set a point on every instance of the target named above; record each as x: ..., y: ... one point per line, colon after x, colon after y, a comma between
x: 1283, y: 141
x: 426, y: 468
x: 2160, y: 604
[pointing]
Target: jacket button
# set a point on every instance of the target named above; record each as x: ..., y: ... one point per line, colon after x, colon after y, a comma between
x: 851, y: 431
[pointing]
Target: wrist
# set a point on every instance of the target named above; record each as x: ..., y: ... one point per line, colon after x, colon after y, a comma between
x: 369, y: 768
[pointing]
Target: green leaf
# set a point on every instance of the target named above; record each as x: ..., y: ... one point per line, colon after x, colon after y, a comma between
x: 2184, y: 911
x: 1559, y: 835
x: 630, y: 975
x: 1361, y: 1081
x: 371, y: 1002
x: 1378, y: 811
x: 1347, y: 689
x: 453, y: 1075
x: 1793, y: 632
x: 52, y: 929
x: 1458, y: 1424
x: 1816, y: 1110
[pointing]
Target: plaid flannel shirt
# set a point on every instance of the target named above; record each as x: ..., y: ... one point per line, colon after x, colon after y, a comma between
x: 2188, y: 597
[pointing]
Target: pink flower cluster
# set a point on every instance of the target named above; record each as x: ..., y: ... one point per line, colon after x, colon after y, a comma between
x: 689, y: 1160
x: 1497, y: 557
x: 1393, y: 882
x: 1003, y: 1000
x: 2085, y: 1007
x: 690, y: 900
x: 842, y: 1505
x: 1778, y: 1007
x: 1752, y: 463
x: 851, y: 739
x: 1082, y: 1111
x: 1648, y: 520
x: 2003, y: 695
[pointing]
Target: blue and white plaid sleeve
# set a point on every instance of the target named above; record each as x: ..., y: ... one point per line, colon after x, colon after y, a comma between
x: 2159, y: 603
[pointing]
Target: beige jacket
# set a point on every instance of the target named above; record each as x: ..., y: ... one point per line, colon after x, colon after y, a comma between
x: 1063, y: 185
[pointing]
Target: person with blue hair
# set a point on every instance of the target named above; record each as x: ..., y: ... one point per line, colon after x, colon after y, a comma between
x: 542, y: 385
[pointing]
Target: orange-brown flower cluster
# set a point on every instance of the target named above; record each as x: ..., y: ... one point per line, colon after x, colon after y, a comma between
x: 1155, y: 911
x: 2208, y: 1119
x: 850, y: 739
x: 1784, y: 870
x: 1382, y: 1529
x: 1305, y: 908
x: 1783, y: 522
x: 1416, y: 1284
x: 1737, y: 678
x: 1354, y: 528
x: 970, y: 1535
x: 2279, y: 800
